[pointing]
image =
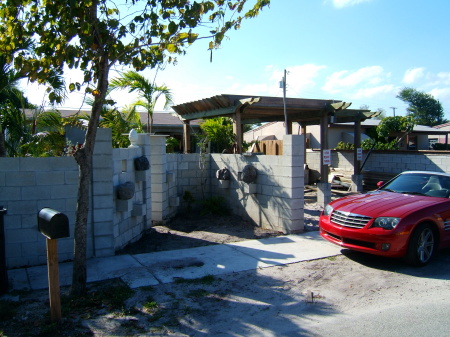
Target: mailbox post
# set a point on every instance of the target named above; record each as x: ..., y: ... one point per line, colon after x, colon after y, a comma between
x: 53, y: 225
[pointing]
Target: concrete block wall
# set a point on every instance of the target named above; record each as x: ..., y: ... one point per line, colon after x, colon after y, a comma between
x: 159, y: 168
x: 130, y: 221
x: 193, y: 175
x: 384, y: 161
x: 278, y: 200
x: 29, y: 184
x: 26, y: 186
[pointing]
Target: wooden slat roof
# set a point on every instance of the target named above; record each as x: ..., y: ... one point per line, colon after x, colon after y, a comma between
x: 260, y: 109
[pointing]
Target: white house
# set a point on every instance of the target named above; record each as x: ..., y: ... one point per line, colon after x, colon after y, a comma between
x: 418, y: 139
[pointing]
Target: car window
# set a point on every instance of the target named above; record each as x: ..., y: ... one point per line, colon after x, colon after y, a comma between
x: 420, y: 183
x: 408, y: 183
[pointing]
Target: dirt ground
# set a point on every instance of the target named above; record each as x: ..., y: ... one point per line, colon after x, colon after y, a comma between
x: 315, y: 298
x: 192, y: 230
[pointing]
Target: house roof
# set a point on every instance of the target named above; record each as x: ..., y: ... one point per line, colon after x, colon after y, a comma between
x: 159, y: 118
x: 260, y: 109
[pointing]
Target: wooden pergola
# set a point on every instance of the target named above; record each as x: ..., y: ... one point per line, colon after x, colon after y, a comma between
x: 245, y: 109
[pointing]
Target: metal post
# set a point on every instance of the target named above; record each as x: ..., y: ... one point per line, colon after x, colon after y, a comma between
x: 286, y: 121
x: 3, y: 272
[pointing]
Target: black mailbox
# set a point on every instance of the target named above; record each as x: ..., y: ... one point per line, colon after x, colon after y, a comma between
x: 53, y: 224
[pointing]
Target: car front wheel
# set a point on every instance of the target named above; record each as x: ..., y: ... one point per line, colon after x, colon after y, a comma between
x: 422, y: 245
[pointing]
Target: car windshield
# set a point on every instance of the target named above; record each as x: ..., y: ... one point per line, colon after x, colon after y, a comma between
x: 420, y: 184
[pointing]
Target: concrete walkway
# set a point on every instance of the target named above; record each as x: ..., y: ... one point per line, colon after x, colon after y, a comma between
x: 166, y: 266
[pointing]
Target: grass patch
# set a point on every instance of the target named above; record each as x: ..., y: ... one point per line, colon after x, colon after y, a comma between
x: 111, y: 296
x: 150, y: 305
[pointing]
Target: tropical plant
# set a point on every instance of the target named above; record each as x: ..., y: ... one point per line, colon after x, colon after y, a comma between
x: 15, y: 130
x: 148, y: 92
x: 218, y: 131
x: 171, y: 144
x: 95, y: 36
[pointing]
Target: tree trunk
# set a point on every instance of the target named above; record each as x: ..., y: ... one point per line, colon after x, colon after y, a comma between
x: 84, y: 160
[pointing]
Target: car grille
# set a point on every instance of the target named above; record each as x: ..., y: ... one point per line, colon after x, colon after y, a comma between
x: 347, y: 219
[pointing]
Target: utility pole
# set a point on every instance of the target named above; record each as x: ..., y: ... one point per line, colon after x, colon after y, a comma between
x: 283, y: 85
x: 393, y: 109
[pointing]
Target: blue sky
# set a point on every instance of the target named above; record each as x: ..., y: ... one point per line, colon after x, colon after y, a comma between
x: 359, y: 51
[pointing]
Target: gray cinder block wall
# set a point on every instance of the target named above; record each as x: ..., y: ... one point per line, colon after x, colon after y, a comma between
x: 29, y: 184
x: 276, y: 200
x: 383, y: 161
x: 26, y: 186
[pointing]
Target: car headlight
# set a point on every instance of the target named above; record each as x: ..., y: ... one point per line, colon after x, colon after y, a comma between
x: 327, y: 210
x: 386, y: 222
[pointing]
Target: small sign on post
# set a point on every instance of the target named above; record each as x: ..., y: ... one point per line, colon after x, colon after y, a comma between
x: 359, y: 153
x: 326, y: 157
x: 53, y: 225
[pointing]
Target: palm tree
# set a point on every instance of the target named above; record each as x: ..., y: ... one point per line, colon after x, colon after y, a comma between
x: 12, y: 103
x: 149, y: 93
x: 14, y: 125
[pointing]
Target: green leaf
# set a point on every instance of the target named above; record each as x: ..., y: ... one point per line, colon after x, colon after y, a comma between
x: 173, y: 27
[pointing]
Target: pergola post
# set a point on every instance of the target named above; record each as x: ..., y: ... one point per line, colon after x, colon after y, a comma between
x: 303, y: 132
x: 186, y: 137
x: 237, y: 130
x: 356, y: 177
x: 289, y: 128
x: 324, y: 187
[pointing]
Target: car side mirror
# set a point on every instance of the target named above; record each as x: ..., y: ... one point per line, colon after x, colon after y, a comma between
x: 380, y: 184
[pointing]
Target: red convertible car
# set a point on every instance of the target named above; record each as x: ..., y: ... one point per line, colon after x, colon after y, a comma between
x: 409, y: 216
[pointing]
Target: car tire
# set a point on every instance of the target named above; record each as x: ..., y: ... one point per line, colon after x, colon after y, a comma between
x: 422, y: 245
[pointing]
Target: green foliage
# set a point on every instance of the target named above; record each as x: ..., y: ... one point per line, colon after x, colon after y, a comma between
x: 395, y: 124
x: 171, y: 144
x: 80, y: 34
x: 218, y: 131
x: 214, y: 206
x: 368, y: 144
x: 42, y: 135
x: 120, y: 124
x: 344, y: 146
x: 150, y: 305
x: 148, y: 92
x: 422, y: 107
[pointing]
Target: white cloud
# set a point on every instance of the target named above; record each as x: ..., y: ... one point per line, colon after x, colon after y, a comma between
x: 347, y: 3
x: 298, y: 79
x: 441, y: 93
x: 375, y: 92
x: 443, y: 78
x: 412, y: 75
x: 345, y: 80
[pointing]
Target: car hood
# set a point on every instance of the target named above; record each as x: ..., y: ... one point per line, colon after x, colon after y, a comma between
x: 383, y: 203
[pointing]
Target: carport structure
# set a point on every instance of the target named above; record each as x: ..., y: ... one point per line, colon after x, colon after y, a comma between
x: 245, y: 109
